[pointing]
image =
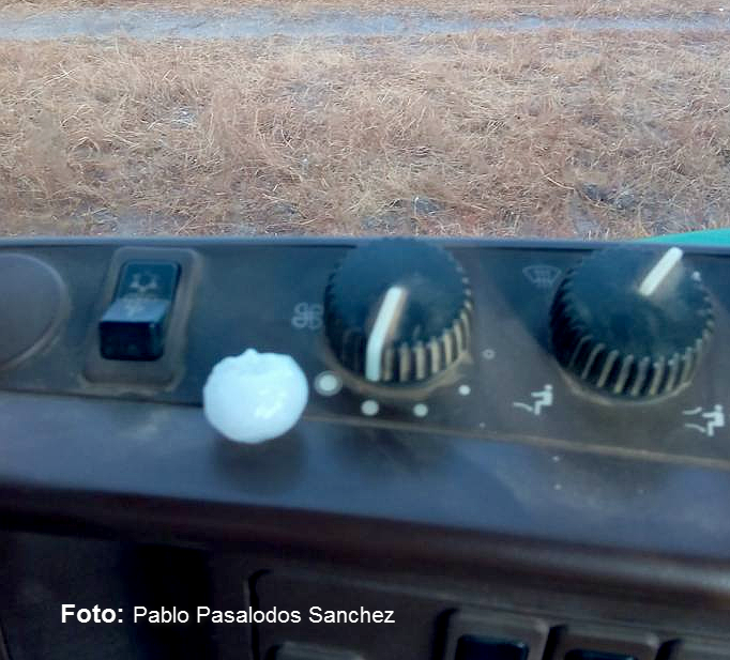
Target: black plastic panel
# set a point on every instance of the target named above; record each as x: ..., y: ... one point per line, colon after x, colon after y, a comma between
x: 269, y: 297
x: 618, y: 511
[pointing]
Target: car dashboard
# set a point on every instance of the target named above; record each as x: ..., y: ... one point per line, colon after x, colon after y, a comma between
x: 509, y: 480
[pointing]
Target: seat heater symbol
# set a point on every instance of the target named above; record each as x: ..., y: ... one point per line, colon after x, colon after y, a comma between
x: 307, y: 316
x: 543, y: 399
x: 715, y: 420
x: 541, y: 275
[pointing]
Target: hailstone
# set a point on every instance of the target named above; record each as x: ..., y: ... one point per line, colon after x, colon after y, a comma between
x: 255, y: 397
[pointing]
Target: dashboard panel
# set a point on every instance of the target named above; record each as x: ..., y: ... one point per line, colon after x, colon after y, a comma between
x: 510, y: 490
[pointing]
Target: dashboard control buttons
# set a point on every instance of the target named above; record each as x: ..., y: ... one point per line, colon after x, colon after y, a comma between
x: 470, y: 647
x: 295, y: 651
x: 596, y: 655
x: 134, y: 326
x: 632, y: 322
x: 32, y: 304
x: 604, y: 643
x: 397, y: 311
x: 487, y: 635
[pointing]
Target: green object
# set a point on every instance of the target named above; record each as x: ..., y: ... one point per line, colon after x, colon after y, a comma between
x: 706, y: 237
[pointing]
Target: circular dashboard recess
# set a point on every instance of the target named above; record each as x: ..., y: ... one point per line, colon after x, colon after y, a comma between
x: 32, y: 302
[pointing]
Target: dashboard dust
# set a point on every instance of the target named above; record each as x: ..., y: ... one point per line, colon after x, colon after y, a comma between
x: 202, y: 614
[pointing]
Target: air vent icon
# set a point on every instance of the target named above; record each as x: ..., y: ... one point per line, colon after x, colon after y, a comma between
x: 541, y: 275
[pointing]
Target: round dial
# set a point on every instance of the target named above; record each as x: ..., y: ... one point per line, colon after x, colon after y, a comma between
x: 632, y: 321
x: 398, y: 311
x: 33, y: 300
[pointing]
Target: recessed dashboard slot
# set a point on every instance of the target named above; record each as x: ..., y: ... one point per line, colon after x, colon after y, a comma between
x: 137, y: 342
x: 135, y: 325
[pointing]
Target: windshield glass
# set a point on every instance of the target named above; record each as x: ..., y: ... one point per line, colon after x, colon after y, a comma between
x: 570, y: 119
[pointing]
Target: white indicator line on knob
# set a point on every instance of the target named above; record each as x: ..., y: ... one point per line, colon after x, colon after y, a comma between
x: 388, y: 316
x: 660, y: 271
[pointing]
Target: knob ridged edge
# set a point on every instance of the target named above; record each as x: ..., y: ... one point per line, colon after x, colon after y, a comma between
x: 607, y: 369
x: 403, y: 362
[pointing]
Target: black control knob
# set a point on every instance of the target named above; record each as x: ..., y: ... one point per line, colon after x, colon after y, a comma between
x: 632, y: 321
x: 398, y: 310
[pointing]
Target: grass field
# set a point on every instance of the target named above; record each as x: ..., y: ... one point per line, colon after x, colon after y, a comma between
x: 556, y: 133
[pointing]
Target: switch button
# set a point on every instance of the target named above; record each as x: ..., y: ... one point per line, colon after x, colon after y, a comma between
x: 134, y: 325
x: 596, y: 655
x: 471, y: 647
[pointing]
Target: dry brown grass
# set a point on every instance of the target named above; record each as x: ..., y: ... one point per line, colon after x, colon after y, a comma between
x: 551, y: 134
x: 480, y: 8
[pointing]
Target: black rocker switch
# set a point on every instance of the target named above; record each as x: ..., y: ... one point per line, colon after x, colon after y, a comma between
x: 134, y: 325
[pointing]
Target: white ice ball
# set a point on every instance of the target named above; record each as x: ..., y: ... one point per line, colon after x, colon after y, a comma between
x: 255, y: 396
